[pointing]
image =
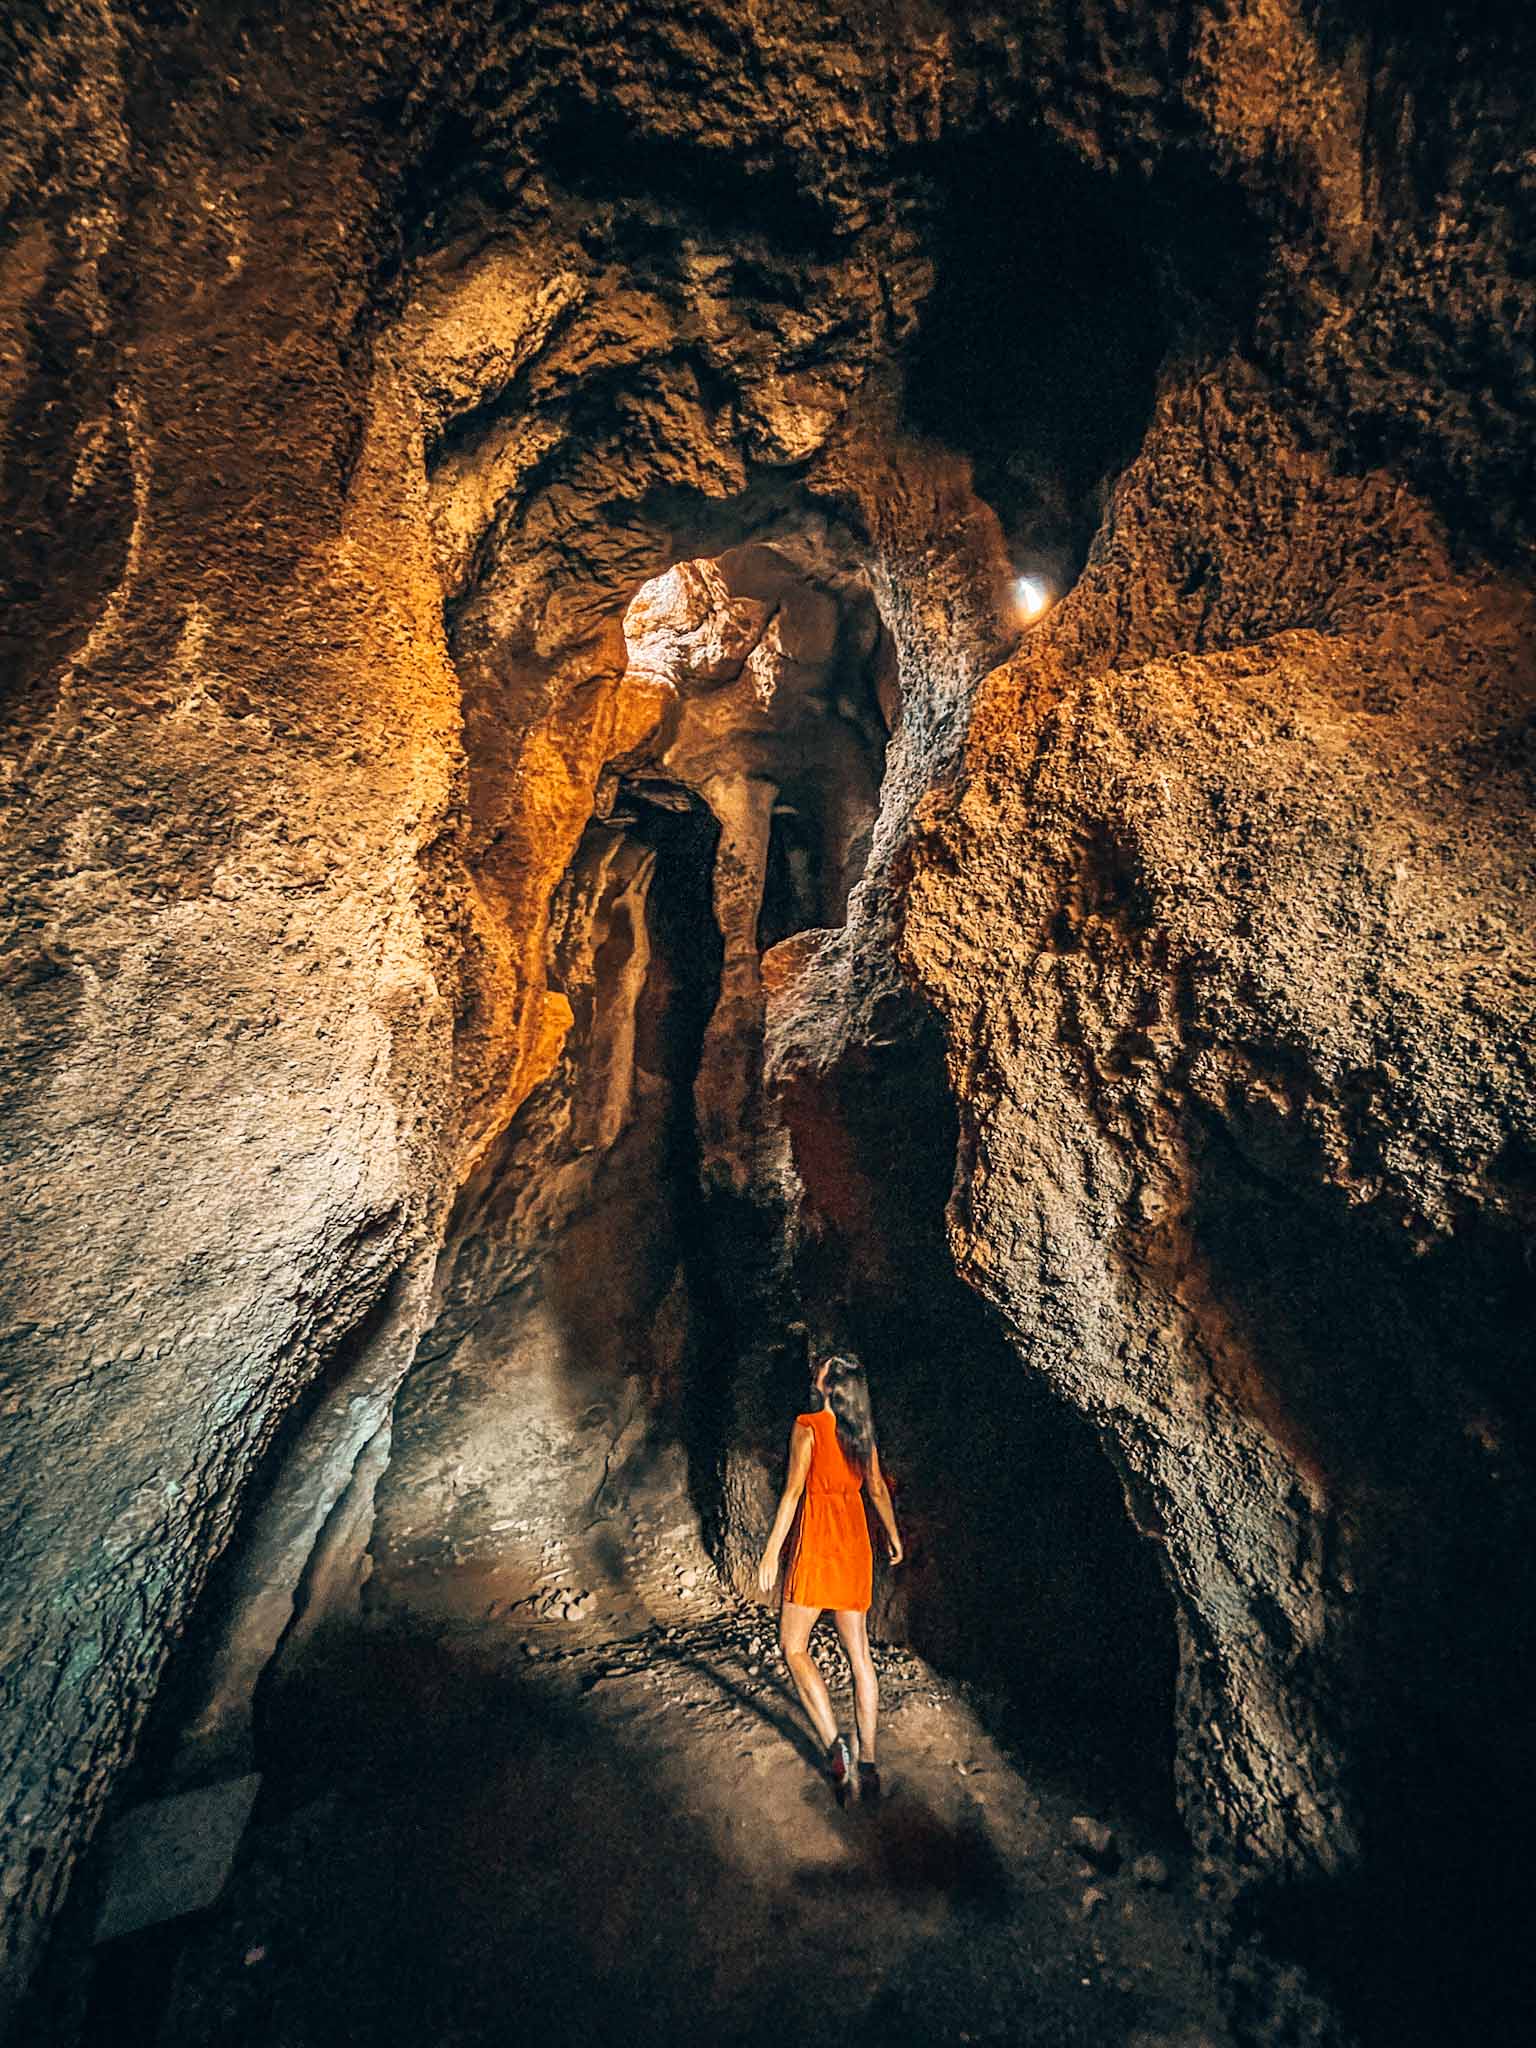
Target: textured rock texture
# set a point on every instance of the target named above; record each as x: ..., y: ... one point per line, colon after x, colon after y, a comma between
x: 359, y: 367
x: 232, y: 742
x: 1245, y: 1111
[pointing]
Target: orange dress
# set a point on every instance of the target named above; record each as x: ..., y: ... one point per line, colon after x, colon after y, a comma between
x: 832, y: 1564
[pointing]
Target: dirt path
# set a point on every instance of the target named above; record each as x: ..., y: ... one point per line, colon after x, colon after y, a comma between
x: 626, y: 1840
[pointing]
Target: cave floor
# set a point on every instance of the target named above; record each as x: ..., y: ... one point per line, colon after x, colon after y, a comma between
x: 625, y: 1839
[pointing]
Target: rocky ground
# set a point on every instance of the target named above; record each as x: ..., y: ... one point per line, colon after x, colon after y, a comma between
x: 536, y: 1826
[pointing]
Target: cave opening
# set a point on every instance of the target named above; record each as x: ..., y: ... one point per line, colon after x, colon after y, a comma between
x: 791, y: 891
x: 616, y: 1257
x: 1061, y: 290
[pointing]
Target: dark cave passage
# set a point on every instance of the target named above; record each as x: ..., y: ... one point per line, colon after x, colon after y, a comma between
x: 633, y: 1280
x: 1024, y: 1571
x: 1059, y: 294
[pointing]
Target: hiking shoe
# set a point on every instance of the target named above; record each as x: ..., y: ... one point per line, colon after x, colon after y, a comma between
x: 869, y: 1785
x: 840, y: 1769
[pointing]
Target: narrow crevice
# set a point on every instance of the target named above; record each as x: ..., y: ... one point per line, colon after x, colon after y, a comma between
x: 1025, y: 1574
x: 1061, y: 290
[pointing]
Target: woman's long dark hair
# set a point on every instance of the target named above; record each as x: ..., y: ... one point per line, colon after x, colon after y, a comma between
x: 847, y: 1395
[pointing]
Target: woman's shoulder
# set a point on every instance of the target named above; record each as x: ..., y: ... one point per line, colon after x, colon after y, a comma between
x: 809, y: 1418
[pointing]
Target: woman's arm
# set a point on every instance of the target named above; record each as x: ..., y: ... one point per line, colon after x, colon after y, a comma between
x: 880, y: 1494
x: 800, y: 1443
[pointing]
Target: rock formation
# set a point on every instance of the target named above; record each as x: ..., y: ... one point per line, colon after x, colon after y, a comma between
x: 541, y: 856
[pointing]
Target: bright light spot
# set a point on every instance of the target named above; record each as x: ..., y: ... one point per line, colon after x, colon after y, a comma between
x: 1032, y: 594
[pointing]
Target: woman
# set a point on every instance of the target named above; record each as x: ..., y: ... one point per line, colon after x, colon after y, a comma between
x: 831, y: 1456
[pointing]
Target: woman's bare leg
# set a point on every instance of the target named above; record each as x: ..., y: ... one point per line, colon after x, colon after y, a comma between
x: 795, y: 1625
x: 866, y: 1686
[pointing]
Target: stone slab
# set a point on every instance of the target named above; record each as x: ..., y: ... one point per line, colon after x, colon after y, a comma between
x: 172, y: 1856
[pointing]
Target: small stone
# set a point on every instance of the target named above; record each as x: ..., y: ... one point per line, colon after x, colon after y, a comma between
x: 256, y: 1955
x: 1095, y: 1839
x: 1091, y: 1901
x: 1150, y: 1870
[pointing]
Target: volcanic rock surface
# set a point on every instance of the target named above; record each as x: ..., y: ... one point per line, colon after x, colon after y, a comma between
x: 545, y: 873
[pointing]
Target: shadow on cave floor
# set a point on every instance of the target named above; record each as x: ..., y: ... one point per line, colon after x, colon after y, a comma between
x: 628, y: 1841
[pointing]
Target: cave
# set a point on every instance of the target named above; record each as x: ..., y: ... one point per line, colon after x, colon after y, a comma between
x: 689, y: 687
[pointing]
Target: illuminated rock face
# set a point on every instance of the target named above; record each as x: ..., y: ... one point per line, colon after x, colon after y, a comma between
x: 579, y: 1313
x: 355, y: 382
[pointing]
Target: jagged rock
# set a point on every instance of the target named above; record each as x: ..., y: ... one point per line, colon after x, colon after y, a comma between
x: 1096, y: 1839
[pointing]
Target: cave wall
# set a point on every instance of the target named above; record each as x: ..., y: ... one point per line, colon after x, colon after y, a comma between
x: 231, y: 747
x: 1246, y: 1108
x: 359, y: 368
x: 539, y: 1447
x: 1247, y: 1105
